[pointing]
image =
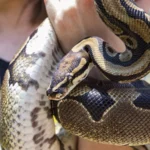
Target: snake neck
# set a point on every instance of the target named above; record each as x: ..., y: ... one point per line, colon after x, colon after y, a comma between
x: 28, y: 124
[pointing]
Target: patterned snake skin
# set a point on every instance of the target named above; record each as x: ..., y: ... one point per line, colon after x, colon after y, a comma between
x: 121, y: 118
x: 110, y: 112
x: 26, y: 119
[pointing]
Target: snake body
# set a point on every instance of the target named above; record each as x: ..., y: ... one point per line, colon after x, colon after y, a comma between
x: 26, y: 120
x: 115, y: 114
x: 108, y: 112
x: 26, y: 114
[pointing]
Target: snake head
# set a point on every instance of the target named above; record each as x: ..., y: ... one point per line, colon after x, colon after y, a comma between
x: 72, y: 69
x: 58, y: 90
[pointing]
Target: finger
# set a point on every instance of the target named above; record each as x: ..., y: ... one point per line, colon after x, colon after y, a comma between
x: 89, y: 14
x: 98, y: 27
x: 53, y: 7
x: 88, y: 4
x: 68, y: 4
x: 64, y: 16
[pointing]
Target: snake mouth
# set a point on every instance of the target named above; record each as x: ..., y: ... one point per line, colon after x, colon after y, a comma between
x: 56, y: 95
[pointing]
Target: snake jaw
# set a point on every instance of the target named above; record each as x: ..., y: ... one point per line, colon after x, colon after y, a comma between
x: 59, y: 91
x: 69, y: 77
x: 57, y: 94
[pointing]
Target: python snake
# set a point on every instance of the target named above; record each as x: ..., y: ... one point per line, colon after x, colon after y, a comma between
x: 116, y: 113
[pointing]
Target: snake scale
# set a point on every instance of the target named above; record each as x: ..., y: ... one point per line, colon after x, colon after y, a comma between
x: 111, y: 112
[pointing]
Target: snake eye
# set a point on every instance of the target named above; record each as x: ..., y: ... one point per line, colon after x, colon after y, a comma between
x: 69, y: 76
x: 56, y: 94
x: 56, y: 91
x: 60, y: 91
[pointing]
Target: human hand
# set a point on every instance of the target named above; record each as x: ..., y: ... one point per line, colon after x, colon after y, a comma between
x: 74, y: 20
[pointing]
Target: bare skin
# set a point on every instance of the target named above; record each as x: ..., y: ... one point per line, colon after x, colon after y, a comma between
x: 16, y: 23
x: 73, y: 20
x: 145, y: 4
x: 75, y: 17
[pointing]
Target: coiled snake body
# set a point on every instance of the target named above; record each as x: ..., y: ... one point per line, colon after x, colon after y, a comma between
x: 109, y: 113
